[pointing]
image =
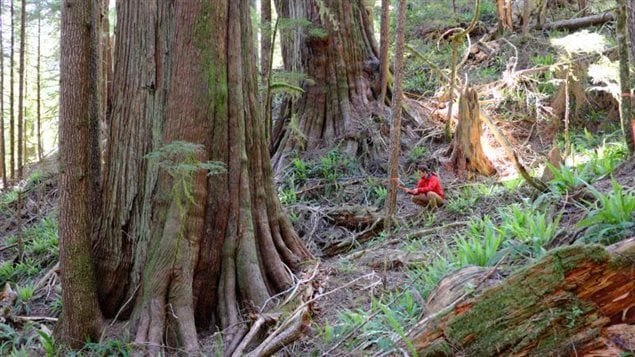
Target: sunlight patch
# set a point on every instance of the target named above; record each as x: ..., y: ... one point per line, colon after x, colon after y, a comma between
x: 581, y: 42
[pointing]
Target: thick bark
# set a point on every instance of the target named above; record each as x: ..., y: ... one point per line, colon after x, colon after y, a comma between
x: 205, y: 256
x: 135, y: 126
x: 3, y: 166
x: 467, y: 151
x: 395, y: 130
x: 570, y: 302
x: 80, y: 311
x: 343, y: 66
x: 21, y: 154
x: 265, y: 39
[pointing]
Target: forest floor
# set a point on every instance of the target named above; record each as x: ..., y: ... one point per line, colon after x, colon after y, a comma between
x: 375, y: 285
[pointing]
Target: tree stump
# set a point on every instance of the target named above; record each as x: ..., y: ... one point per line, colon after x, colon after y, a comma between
x: 467, y: 151
x: 576, y: 300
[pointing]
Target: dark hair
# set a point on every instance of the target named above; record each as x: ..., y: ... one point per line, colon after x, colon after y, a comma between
x: 423, y: 167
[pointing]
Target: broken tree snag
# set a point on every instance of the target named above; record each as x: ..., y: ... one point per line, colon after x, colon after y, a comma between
x: 570, y: 302
x: 467, y: 151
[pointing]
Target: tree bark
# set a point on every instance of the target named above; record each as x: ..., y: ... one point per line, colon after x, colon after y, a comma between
x: 197, y: 252
x: 21, y: 94
x: 467, y: 151
x: 3, y: 152
x: 568, y: 303
x: 80, y: 311
x: 504, y: 10
x: 11, y: 96
x: 343, y: 66
x: 38, y: 84
x: 265, y: 39
x: 395, y: 130
x: 383, y: 48
x: 626, y: 114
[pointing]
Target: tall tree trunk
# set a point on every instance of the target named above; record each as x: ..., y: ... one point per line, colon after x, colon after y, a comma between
x: 204, y: 261
x: 395, y: 132
x: 21, y: 94
x: 265, y: 39
x: 383, y: 55
x: 343, y: 66
x: 38, y: 84
x: 11, y: 96
x: 626, y: 115
x: 80, y: 311
x: 3, y: 153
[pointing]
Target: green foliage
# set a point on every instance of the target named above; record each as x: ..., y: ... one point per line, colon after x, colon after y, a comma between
x: 416, y: 153
x: 43, y: 239
x: 55, y: 308
x: 8, y: 198
x: 108, y: 348
x: 178, y: 159
x: 377, y: 192
x: 10, y: 272
x: 529, y: 229
x: 49, y: 344
x: 288, y: 195
x: 479, y: 245
x: 425, y: 278
x: 286, y: 88
x: 300, y: 169
x: 612, y: 216
x: 466, y: 198
x: 565, y: 179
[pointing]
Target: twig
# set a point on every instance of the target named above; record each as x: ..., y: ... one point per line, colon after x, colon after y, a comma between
x: 2, y: 249
x: 36, y: 318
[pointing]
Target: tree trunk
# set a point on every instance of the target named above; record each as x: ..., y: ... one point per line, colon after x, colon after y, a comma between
x: 626, y: 114
x: 467, y: 151
x: 265, y: 39
x: 504, y: 10
x: 395, y: 131
x: 383, y: 55
x: 80, y: 311
x: 343, y: 65
x: 21, y: 94
x: 575, y: 301
x: 11, y: 95
x: 190, y: 250
x: 38, y: 84
x: 3, y: 152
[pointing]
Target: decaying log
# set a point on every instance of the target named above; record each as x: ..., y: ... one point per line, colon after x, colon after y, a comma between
x: 581, y: 22
x: 573, y: 301
x: 353, y: 217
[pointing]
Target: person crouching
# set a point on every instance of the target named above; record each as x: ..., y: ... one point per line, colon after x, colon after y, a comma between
x: 428, y: 192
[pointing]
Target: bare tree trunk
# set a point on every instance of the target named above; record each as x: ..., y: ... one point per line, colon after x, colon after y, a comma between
x: 21, y: 94
x: 383, y: 48
x: 395, y: 132
x: 3, y: 152
x: 38, y: 84
x: 626, y: 114
x: 343, y: 65
x: 11, y: 96
x: 81, y: 318
x: 504, y: 10
x: 467, y: 151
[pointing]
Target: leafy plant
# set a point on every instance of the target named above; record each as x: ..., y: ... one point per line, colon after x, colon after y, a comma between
x: 288, y: 196
x: 113, y: 347
x: 612, y: 217
x: 480, y: 244
x: 300, y: 169
x: 530, y: 227
x: 416, y: 153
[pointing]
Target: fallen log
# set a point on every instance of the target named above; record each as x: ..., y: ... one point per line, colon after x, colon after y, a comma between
x: 577, y: 300
x: 581, y: 22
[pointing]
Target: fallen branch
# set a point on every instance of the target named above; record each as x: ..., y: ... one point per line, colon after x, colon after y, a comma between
x: 511, y: 154
x: 35, y: 318
x: 575, y: 24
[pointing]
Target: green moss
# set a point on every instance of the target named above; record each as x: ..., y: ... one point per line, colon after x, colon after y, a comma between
x: 531, y: 306
x: 437, y: 349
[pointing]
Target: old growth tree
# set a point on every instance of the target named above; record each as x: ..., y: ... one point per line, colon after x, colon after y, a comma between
x: 339, y: 56
x: 187, y: 248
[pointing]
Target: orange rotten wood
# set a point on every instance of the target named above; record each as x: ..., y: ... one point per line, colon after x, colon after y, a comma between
x: 577, y: 299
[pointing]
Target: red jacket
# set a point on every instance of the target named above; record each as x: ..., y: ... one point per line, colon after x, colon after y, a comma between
x: 429, y: 184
